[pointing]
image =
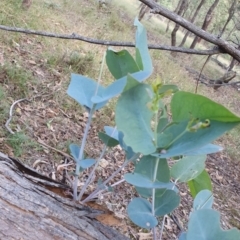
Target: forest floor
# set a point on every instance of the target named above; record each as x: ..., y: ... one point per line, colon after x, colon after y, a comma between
x: 37, y: 70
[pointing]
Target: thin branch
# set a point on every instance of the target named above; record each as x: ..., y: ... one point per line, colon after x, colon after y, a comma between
x: 10, y: 114
x: 75, y: 36
x: 225, y: 46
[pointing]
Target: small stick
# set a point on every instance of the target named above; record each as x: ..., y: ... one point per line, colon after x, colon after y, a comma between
x: 10, y: 114
x: 59, y: 151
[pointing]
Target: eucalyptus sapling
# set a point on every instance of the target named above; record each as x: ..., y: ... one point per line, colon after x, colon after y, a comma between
x: 146, y: 133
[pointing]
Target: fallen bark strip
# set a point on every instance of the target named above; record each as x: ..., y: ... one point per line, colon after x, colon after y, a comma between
x: 30, y: 210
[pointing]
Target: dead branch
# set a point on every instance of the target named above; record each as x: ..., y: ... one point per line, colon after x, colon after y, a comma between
x: 223, y: 45
x: 75, y: 36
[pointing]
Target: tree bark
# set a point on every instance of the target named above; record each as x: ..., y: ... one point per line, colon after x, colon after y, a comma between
x: 231, y: 12
x: 34, y: 207
x: 223, y: 45
x: 180, y: 12
x: 192, y: 21
x: 207, y: 21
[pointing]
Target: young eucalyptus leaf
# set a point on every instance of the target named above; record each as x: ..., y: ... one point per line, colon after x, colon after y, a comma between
x: 82, y: 89
x: 139, y: 59
x: 166, y: 89
x: 207, y: 149
x: 183, y: 236
x: 111, y: 132
x: 86, y: 163
x: 201, y: 182
x: 204, y: 224
x: 146, y: 166
x: 180, y: 142
x: 109, y: 92
x: 203, y: 200
x: 163, y: 120
x: 140, y: 212
x: 165, y: 201
x: 74, y: 150
x: 142, y: 46
x: 140, y: 180
x: 185, y: 105
x: 188, y: 168
x: 109, y: 141
x: 133, y: 118
x: 128, y: 150
x: 120, y: 63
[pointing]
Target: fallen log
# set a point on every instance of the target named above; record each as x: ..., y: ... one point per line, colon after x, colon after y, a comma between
x: 34, y: 206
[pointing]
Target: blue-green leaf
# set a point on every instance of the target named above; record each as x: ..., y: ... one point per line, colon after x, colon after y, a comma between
x: 133, y: 118
x: 139, y: 180
x: 128, y: 150
x: 139, y: 211
x: 86, y: 163
x: 207, y: 149
x: 146, y: 166
x: 165, y: 201
x: 109, y: 92
x: 109, y: 141
x: 82, y: 89
x: 187, y: 142
x: 183, y: 236
x: 203, y: 200
x: 188, y: 168
x: 111, y: 132
x: 142, y: 46
x: 204, y: 224
x: 74, y: 150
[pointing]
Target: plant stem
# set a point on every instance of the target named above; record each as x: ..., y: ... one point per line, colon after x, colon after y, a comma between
x: 161, y: 232
x: 98, y: 190
x: 80, y: 156
x: 91, y: 174
x: 153, y: 193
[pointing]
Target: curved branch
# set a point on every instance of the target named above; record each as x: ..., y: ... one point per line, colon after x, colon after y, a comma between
x: 75, y: 36
x: 225, y: 46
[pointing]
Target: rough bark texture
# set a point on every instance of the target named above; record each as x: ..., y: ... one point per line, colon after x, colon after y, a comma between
x: 192, y: 21
x: 180, y: 12
x: 32, y: 209
x: 225, y: 46
x: 207, y: 21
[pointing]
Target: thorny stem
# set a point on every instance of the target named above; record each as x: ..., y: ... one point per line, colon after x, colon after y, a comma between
x: 98, y: 190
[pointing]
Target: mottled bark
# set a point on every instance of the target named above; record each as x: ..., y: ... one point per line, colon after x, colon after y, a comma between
x: 34, y: 207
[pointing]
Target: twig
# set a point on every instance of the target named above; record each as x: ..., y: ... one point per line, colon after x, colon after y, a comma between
x: 75, y: 36
x: 10, y: 114
x: 59, y: 151
x: 225, y: 46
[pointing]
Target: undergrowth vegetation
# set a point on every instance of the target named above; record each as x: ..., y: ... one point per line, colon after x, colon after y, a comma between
x: 38, y: 68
